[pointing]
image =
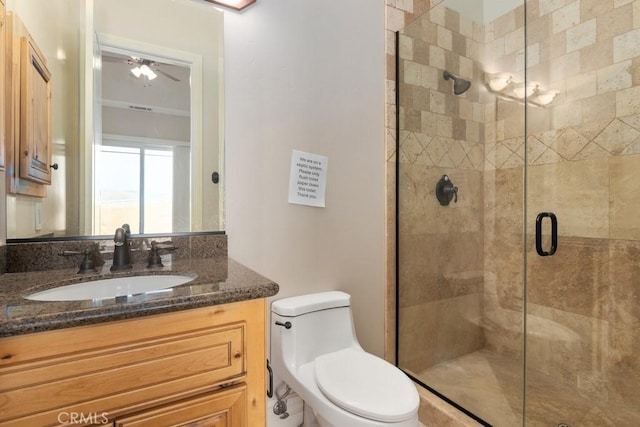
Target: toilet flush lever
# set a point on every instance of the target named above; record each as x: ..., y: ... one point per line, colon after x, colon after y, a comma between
x: 287, y: 325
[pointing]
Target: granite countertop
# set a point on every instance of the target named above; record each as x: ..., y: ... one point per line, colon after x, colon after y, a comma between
x: 217, y: 280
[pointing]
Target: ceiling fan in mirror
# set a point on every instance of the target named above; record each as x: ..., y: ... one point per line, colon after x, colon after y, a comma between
x: 142, y: 68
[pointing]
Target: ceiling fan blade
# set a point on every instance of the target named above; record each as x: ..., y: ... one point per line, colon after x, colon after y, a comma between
x: 159, y: 71
x: 106, y: 58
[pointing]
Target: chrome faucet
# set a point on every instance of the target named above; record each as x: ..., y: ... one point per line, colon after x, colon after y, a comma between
x: 122, y: 249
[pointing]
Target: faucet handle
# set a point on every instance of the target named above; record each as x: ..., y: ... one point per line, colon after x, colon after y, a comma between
x: 86, y: 265
x: 155, y: 260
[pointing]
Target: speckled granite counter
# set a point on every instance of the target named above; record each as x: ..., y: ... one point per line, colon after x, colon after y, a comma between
x: 218, y: 280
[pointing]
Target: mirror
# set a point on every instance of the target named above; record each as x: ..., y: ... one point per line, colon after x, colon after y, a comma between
x: 75, y: 37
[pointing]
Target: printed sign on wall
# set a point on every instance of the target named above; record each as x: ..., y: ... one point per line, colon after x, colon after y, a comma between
x: 308, y: 179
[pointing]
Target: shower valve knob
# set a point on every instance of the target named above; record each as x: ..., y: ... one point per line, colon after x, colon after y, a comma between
x: 446, y: 191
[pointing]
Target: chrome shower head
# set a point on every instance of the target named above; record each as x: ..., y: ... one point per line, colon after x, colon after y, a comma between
x: 460, y: 85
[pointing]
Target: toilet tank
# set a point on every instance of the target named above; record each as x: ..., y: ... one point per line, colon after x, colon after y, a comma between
x: 320, y: 323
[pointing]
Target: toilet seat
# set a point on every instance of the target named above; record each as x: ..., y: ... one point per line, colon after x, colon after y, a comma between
x: 365, y: 385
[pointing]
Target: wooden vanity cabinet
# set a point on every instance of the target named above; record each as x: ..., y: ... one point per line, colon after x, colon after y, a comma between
x: 197, y: 367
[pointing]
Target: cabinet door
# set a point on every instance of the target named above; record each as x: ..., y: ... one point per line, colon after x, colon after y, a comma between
x: 225, y: 408
x: 35, y: 112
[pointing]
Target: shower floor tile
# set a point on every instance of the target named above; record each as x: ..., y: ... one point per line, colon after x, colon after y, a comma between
x: 490, y: 386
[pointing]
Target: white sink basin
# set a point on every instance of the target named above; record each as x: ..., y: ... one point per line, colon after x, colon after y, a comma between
x: 110, y: 288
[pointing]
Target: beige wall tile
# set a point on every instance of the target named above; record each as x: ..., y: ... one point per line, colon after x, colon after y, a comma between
x: 614, y: 77
x: 445, y: 38
x: 560, y: 335
x: 437, y: 102
x: 466, y: 68
x: 417, y: 336
x: 625, y: 197
x: 578, y: 192
x: 615, y: 22
x: 504, y: 24
x: 592, y: 8
x: 495, y: 49
x: 434, y: 411
x: 394, y: 18
x: 557, y: 45
x: 566, y: 17
x: 428, y: 122
x: 565, y: 66
x: 575, y: 279
x: 627, y: 102
x: 599, y: 107
x: 436, y: 57
x: 626, y: 46
x: 421, y: 52
x: 616, y: 137
x: 581, y: 35
x: 514, y: 41
x: 474, y: 130
x: 430, y: 77
x: 437, y: 15
x: 566, y: 115
x: 429, y: 32
x: 596, y: 56
x: 452, y: 19
x: 444, y: 126
x: 548, y: 6
x: 406, y: 5
x: 405, y: 47
x: 412, y: 73
x: 624, y: 365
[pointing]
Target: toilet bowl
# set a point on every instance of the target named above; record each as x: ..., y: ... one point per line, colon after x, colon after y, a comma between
x: 314, y: 349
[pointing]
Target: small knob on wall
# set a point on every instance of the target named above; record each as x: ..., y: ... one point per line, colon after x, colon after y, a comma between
x: 445, y: 191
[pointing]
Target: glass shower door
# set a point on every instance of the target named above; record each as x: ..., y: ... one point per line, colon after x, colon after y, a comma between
x: 583, y: 165
x: 461, y: 158
x: 518, y: 233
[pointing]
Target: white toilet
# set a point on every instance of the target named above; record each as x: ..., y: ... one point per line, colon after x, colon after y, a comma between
x: 314, y: 349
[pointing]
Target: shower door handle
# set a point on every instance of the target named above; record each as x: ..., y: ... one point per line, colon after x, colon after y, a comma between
x: 554, y: 233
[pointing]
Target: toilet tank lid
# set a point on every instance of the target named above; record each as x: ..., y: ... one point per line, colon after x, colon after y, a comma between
x: 295, y: 306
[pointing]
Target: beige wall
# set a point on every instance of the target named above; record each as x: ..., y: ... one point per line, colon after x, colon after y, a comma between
x: 309, y: 76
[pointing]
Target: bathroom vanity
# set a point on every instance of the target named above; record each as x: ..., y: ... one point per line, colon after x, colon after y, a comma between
x: 205, y: 365
x: 192, y: 355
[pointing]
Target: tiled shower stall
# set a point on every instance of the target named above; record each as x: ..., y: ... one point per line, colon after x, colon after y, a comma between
x: 512, y: 337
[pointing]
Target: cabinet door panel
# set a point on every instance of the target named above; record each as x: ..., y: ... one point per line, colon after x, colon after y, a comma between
x: 35, y: 111
x: 220, y: 409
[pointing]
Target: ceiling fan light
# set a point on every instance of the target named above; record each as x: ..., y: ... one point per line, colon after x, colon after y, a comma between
x: 233, y: 4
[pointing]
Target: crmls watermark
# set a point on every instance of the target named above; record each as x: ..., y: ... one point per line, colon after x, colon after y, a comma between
x: 70, y: 418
